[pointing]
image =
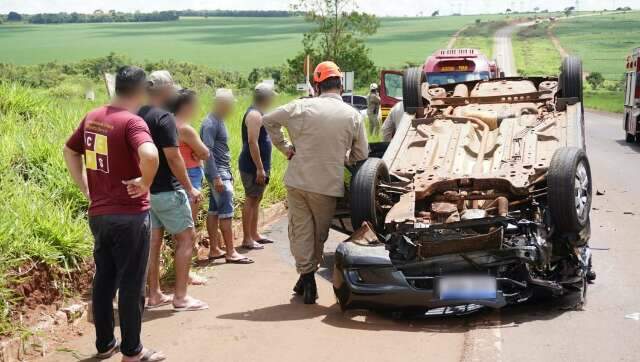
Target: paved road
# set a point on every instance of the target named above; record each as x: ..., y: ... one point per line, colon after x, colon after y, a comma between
x: 503, y: 50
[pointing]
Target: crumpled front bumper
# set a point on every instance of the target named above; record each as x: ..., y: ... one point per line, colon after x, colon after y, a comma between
x: 364, y: 277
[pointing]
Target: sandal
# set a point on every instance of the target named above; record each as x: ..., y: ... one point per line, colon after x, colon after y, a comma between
x: 265, y: 241
x: 193, y: 305
x: 213, y: 258
x: 255, y: 246
x: 166, y: 300
x: 240, y: 261
x: 195, y: 279
x: 110, y: 353
x: 149, y: 355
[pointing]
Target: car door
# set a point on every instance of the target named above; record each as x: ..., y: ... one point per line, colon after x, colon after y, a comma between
x: 390, y: 90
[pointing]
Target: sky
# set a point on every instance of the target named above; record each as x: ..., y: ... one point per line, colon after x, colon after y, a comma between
x: 378, y: 7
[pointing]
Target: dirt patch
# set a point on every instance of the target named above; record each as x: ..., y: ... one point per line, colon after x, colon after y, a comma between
x: 45, y: 284
x: 43, y: 289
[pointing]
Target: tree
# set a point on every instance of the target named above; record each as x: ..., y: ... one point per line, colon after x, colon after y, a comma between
x: 13, y: 16
x: 596, y: 80
x: 339, y: 35
x: 508, y: 11
x: 536, y: 9
x: 569, y: 10
x: 435, y: 13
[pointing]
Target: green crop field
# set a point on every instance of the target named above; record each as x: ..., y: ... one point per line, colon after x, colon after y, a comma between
x: 226, y: 43
x: 603, y: 42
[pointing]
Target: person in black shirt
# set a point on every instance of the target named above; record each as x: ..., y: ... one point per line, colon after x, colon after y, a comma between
x: 171, y: 192
x: 255, y: 164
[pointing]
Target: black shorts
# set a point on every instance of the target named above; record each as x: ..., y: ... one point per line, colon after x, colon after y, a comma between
x: 251, y: 188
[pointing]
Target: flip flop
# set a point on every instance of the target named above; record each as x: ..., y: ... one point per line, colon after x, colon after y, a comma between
x: 212, y: 258
x: 240, y: 261
x: 255, y: 246
x: 195, y: 279
x: 110, y: 353
x: 162, y: 303
x: 193, y: 306
x: 265, y: 241
x: 149, y: 355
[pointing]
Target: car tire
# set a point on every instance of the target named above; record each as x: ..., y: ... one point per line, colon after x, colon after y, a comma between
x: 569, y: 190
x: 364, y: 192
x: 630, y: 138
x: 571, y: 78
x: 412, y: 90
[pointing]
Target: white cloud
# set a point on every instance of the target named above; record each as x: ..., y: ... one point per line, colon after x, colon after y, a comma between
x: 379, y: 7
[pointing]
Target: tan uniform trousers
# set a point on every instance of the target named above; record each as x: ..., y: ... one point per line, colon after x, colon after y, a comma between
x: 310, y: 217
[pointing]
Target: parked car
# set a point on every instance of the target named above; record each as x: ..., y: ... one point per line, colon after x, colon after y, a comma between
x: 482, y: 198
x: 358, y: 102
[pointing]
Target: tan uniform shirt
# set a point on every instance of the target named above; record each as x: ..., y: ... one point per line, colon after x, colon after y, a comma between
x: 326, y: 134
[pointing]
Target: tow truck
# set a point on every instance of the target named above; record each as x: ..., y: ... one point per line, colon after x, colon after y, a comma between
x: 632, y: 97
x: 445, y: 66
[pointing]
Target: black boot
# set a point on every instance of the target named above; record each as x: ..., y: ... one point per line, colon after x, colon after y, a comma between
x: 310, y: 289
x: 299, y: 287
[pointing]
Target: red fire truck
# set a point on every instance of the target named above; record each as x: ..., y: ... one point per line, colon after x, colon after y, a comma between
x: 632, y: 97
x: 445, y: 66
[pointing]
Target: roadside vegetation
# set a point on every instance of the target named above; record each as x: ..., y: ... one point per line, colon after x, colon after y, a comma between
x: 534, y: 53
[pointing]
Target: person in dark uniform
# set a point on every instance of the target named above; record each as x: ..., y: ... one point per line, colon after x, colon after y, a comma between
x: 255, y: 164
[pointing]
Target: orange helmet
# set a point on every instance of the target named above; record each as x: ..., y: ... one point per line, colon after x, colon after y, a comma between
x: 326, y: 70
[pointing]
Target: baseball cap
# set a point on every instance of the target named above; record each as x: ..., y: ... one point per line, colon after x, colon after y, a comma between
x: 266, y: 89
x: 225, y: 94
x: 161, y: 79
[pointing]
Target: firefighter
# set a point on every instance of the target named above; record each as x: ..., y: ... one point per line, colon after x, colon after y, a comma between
x: 324, y: 134
x: 373, y: 108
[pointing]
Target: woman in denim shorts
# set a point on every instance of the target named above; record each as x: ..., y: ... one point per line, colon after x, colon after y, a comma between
x: 184, y: 107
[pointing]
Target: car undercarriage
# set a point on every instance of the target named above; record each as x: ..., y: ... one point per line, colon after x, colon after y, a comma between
x: 482, y: 198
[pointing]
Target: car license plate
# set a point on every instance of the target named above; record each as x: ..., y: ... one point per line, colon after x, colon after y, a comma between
x: 467, y: 288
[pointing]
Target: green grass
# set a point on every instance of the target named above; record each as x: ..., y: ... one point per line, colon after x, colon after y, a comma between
x: 226, y: 43
x: 534, y: 52
x: 604, y: 100
x: 603, y: 42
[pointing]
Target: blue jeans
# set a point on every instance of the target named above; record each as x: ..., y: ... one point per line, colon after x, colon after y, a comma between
x: 221, y: 203
x: 196, y: 175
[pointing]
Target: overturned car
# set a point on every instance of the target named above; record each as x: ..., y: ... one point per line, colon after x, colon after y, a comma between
x: 481, y: 199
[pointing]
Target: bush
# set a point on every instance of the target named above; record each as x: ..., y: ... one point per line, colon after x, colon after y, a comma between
x: 595, y: 79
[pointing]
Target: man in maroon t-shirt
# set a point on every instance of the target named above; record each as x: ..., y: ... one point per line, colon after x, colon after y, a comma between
x: 112, y: 158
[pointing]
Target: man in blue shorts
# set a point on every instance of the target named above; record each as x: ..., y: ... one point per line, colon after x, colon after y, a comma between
x: 170, y: 194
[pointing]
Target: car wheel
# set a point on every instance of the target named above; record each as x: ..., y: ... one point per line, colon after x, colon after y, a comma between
x: 571, y: 78
x: 412, y: 90
x: 365, y: 194
x: 630, y: 138
x: 569, y: 189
